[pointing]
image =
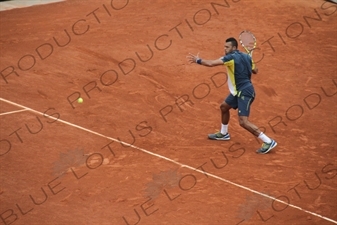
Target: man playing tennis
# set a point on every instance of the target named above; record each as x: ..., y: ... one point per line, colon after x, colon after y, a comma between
x: 240, y: 67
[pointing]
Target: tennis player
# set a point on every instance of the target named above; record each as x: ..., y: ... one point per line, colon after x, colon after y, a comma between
x: 240, y: 67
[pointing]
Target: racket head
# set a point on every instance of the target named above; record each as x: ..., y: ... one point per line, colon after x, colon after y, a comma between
x: 248, y: 41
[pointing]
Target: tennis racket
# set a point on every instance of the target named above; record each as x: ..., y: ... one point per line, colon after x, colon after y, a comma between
x: 248, y: 41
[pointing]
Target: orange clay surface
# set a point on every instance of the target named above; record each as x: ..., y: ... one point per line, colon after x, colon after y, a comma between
x: 136, y: 150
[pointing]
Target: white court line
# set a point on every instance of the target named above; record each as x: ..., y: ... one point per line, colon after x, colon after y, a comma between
x: 11, y: 112
x: 175, y: 162
x: 8, y: 5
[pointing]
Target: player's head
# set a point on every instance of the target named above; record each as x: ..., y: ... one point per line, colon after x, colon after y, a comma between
x: 231, y: 45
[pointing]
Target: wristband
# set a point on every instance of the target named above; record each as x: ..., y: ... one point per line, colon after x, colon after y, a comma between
x: 198, y: 61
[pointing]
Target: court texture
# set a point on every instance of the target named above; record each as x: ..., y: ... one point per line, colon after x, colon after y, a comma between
x: 136, y: 150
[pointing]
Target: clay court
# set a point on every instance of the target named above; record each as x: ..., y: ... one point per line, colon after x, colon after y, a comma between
x: 136, y: 150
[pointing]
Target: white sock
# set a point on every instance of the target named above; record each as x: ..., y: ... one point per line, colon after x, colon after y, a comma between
x: 264, y: 138
x: 224, y: 128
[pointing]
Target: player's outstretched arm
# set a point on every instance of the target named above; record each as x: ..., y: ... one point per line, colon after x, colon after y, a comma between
x: 195, y: 59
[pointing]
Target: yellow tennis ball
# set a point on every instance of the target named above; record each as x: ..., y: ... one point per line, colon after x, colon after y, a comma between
x: 80, y: 100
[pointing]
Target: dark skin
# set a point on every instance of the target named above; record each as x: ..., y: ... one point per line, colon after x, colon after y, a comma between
x: 225, y: 114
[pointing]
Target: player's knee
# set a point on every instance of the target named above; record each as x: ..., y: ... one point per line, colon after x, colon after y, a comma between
x: 243, y: 122
x: 224, y: 107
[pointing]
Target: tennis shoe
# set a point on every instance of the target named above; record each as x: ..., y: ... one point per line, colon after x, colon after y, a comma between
x: 219, y: 136
x: 266, y: 147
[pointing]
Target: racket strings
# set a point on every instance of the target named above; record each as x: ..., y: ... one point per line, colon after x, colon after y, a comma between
x: 248, y: 40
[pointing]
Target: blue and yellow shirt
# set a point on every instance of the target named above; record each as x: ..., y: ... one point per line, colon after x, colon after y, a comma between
x: 239, y: 70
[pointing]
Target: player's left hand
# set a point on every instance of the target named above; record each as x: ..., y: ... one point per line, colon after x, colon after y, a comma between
x: 192, y: 58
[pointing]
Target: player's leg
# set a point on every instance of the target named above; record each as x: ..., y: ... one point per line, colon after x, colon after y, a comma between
x: 229, y: 103
x: 225, y: 115
x: 268, y: 143
x: 245, y: 99
x: 246, y: 124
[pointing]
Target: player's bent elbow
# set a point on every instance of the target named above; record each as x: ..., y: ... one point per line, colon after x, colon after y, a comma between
x: 255, y: 71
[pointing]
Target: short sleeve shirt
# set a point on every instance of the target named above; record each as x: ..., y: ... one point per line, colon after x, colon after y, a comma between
x: 239, y: 70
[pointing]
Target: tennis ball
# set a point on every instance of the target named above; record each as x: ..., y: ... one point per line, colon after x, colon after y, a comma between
x: 80, y: 100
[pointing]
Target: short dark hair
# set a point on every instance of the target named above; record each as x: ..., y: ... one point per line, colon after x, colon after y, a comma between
x: 233, y: 41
